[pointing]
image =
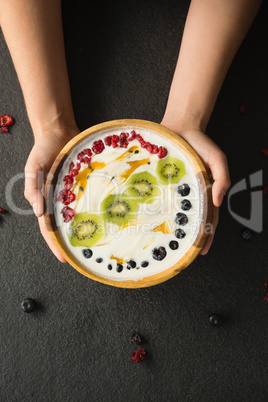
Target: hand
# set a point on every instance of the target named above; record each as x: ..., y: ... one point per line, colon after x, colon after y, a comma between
x: 215, y: 162
x: 46, y: 148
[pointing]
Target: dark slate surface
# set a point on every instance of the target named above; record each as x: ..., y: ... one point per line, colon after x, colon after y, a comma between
x: 75, y: 347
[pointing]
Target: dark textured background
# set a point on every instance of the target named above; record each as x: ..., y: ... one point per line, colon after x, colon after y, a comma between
x: 75, y: 347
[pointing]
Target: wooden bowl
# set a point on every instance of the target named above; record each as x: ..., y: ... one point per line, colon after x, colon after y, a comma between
x: 205, y: 189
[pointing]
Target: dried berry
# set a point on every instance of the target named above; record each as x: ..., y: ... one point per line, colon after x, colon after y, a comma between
x: 136, y: 338
x: 98, y: 147
x: 28, y: 305
x: 139, y: 356
x: 215, y: 320
x: 5, y: 120
x: 68, y: 214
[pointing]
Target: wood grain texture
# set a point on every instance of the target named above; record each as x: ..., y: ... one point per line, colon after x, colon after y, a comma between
x: 205, y: 188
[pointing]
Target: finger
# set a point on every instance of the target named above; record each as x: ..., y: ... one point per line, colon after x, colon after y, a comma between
x: 214, y: 223
x: 47, y: 238
x: 221, y: 177
x: 32, y: 192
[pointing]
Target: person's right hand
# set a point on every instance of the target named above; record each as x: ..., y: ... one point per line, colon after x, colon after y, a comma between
x: 47, y: 146
x: 215, y: 162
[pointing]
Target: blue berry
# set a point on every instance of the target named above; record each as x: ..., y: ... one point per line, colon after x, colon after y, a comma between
x: 181, y: 219
x: 215, y: 320
x: 180, y: 234
x: 119, y: 268
x: 174, y: 245
x: 184, y: 190
x: 28, y: 305
x: 131, y: 264
x: 159, y: 253
x: 110, y: 267
x: 186, y: 205
x: 247, y: 234
x: 99, y: 260
x: 87, y: 253
x: 144, y: 264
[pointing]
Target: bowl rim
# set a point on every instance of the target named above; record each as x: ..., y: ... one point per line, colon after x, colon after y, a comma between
x: 205, y: 187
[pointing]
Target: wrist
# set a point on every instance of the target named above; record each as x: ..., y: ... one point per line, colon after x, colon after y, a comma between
x: 182, y: 122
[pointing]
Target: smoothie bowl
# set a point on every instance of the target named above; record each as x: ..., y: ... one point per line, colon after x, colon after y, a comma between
x: 128, y: 203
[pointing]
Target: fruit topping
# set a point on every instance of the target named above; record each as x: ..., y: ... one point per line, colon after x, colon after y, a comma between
x: 136, y: 338
x: 28, y: 305
x: 87, y: 229
x: 108, y: 140
x: 131, y: 264
x: 118, y: 209
x: 68, y: 214
x: 181, y: 219
x: 2, y: 210
x: 162, y: 152
x: 184, y: 190
x: 144, y: 264
x: 159, y: 253
x: 180, y: 234
x: 98, y: 147
x: 170, y: 170
x: 186, y: 205
x: 110, y: 267
x: 119, y: 268
x: 69, y: 180
x: 139, y: 356
x: 66, y: 196
x: 174, y: 245
x: 142, y: 187
x: 87, y: 253
x: 99, y: 260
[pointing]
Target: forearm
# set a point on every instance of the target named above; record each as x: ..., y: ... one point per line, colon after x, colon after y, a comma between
x: 213, y: 33
x: 33, y: 32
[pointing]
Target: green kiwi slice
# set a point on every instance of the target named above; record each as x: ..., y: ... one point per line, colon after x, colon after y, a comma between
x: 170, y: 170
x: 87, y: 229
x: 142, y: 187
x: 118, y: 209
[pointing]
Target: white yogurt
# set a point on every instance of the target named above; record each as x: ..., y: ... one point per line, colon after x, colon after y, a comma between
x: 133, y: 242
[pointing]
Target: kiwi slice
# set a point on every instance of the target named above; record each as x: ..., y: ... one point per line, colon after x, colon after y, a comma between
x: 87, y: 229
x: 170, y: 170
x: 118, y: 209
x: 142, y: 187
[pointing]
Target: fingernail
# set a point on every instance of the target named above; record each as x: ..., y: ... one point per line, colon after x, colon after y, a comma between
x: 221, y: 198
x: 35, y: 208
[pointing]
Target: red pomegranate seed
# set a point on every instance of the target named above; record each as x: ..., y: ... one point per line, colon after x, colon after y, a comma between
x: 143, y: 144
x: 5, y: 120
x: 266, y: 298
x: 122, y: 137
x: 150, y: 147
x: 68, y: 214
x: 264, y: 151
x: 115, y: 138
x: 98, y: 147
x: 125, y: 145
x: 138, y: 356
x: 155, y: 149
x: 2, y: 210
x: 114, y: 144
x: 3, y: 129
x: 162, y: 152
x: 265, y: 189
x: 71, y: 166
x: 108, y: 140
x: 87, y: 152
x: 243, y: 109
x: 139, y: 138
x: 66, y: 196
x: 68, y: 182
x: 132, y: 136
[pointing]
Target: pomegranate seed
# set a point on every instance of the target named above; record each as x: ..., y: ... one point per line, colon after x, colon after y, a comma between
x: 66, y: 196
x: 264, y: 151
x: 6, y: 120
x: 243, y: 109
x: 122, y: 136
x: 98, y: 147
x: 87, y: 152
x: 265, y: 189
x: 266, y: 285
x: 155, y: 149
x: 115, y: 138
x: 125, y: 144
x: 68, y: 182
x: 67, y: 213
x: 114, y: 144
x: 266, y: 298
x: 108, y: 140
x: 150, y: 147
x: 71, y: 166
x: 132, y: 136
x: 139, y: 138
x: 2, y: 210
x: 162, y: 152
x: 3, y: 129
x: 138, y: 356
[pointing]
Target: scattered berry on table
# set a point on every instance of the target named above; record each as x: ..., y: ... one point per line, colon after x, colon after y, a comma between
x: 99, y: 260
x: 265, y: 189
x: 181, y: 219
x: 3, y: 129
x: 28, y: 305
x: 136, y: 338
x: 139, y: 356
x: 6, y: 120
x: 215, y: 320
x: 266, y: 298
x: 87, y: 253
x: 243, y: 109
x: 264, y: 151
x: 2, y: 210
x: 144, y: 264
x: 184, y: 190
x: 186, y: 205
x: 159, y: 253
x: 180, y: 234
x: 247, y: 234
x: 266, y: 285
x: 174, y: 245
x: 67, y: 214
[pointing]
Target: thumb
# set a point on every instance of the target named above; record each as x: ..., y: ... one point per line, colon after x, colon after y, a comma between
x: 32, y: 192
x: 220, y: 173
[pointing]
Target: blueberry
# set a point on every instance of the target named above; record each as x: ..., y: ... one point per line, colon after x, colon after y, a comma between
x: 119, y: 267
x: 28, y: 305
x: 87, y: 253
x: 159, y: 253
x: 131, y: 264
x: 215, y: 320
x: 110, y: 267
x: 186, y: 205
x: 180, y: 234
x: 99, y: 260
x: 247, y: 234
x: 184, y: 190
x: 181, y: 219
x: 144, y: 264
x: 174, y: 245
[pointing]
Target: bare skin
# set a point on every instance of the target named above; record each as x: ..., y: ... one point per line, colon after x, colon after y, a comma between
x: 33, y: 32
